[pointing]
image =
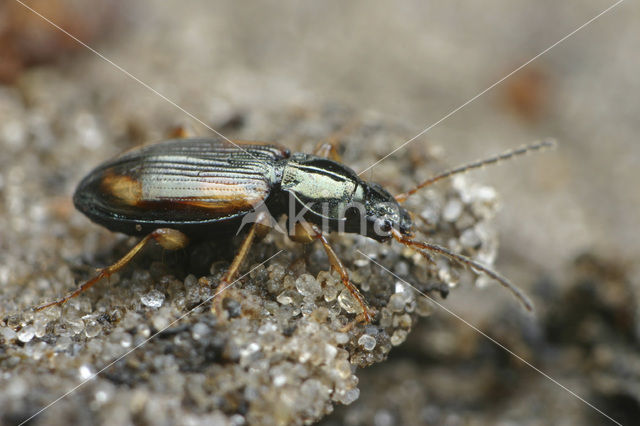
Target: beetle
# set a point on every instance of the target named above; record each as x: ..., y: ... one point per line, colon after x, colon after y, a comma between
x: 188, y: 189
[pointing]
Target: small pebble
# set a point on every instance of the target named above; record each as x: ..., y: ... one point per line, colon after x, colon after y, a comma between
x: 7, y: 334
x: 430, y: 215
x: 39, y: 350
x: 286, y: 297
x: 361, y: 263
x: 160, y: 322
x: 279, y: 380
x: 308, y: 286
x: 349, y: 303
x: 470, y: 238
x: 401, y: 269
x: 75, y: 325
x: 398, y: 337
x: 367, y: 342
x: 40, y: 326
x: 85, y: 372
x: 200, y: 330
x: 63, y: 343
x: 343, y: 367
x: 397, y: 302
x: 153, y: 299
x: 267, y: 328
x: 342, y: 338
x: 61, y: 328
x: 276, y: 272
x: 125, y: 340
x: 26, y: 334
x: 452, y: 210
x: 350, y: 396
x: 330, y: 351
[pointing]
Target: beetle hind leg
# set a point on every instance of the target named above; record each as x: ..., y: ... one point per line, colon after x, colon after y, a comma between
x: 169, y: 239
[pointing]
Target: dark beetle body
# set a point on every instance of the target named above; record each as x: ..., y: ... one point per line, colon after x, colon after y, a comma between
x: 205, y: 187
x: 194, y: 189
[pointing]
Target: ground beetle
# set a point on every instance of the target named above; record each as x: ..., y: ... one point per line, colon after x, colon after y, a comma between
x: 193, y: 188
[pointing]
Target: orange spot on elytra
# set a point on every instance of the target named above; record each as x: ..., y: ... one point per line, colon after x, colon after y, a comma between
x: 125, y: 188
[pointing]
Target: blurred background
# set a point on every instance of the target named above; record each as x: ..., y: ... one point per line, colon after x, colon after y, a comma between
x: 570, y: 218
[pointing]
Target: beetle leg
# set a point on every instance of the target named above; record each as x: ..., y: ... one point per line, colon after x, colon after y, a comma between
x: 349, y: 326
x: 306, y: 233
x: 169, y: 239
x: 327, y: 150
x: 180, y: 132
x: 259, y: 228
x: 336, y: 264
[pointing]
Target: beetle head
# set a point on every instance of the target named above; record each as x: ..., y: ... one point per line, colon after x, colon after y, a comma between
x: 382, y: 213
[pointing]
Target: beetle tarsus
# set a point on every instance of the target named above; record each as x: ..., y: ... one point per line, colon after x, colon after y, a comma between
x: 103, y: 273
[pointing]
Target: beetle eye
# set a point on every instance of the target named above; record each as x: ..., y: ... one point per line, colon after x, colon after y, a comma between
x: 384, y: 225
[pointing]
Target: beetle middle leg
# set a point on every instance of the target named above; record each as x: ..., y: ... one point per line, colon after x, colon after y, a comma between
x: 259, y: 228
x: 304, y: 235
x: 169, y: 239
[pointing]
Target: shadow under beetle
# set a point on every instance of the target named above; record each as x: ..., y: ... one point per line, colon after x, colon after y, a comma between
x: 193, y: 189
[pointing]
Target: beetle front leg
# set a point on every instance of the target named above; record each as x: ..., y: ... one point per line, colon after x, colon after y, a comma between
x: 344, y: 276
x: 169, y: 239
x: 304, y: 235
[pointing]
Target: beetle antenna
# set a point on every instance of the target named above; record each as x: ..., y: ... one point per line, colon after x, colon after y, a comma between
x: 547, y: 143
x: 465, y: 261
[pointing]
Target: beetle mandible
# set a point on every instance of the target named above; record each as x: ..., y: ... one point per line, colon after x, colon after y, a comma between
x: 196, y: 188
